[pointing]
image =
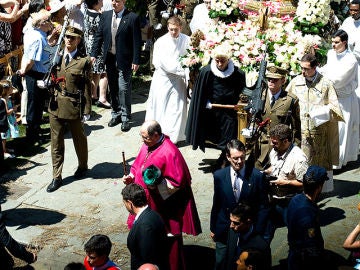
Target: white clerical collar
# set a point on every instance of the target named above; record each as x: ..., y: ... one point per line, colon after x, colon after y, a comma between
x: 222, y: 74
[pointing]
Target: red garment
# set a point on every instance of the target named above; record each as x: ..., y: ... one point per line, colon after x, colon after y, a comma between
x: 109, y: 265
x: 178, y: 211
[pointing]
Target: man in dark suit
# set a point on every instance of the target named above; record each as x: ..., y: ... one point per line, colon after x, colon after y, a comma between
x: 69, y: 103
x: 119, y: 35
x: 243, y: 236
x: 233, y: 184
x: 147, y: 238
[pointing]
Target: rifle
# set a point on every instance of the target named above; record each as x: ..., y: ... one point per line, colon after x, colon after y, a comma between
x: 256, y: 96
x: 48, y: 80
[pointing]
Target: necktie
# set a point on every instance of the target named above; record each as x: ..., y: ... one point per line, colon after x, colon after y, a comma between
x: 272, y: 101
x: 237, y: 187
x: 67, y: 59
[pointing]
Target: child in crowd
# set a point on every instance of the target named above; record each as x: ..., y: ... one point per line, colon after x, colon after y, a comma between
x: 6, y: 90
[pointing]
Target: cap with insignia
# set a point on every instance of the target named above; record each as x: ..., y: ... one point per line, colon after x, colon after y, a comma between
x: 73, y: 31
x: 315, y: 174
x: 275, y: 72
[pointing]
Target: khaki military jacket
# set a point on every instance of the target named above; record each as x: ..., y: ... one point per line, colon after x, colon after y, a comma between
x: 284, y: 111
x: 72, y: 93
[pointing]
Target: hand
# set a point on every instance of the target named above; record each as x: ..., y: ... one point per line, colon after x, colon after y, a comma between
x: 134, y: 67
x: 212, y: 235
x: 236, y: 107
x: 280, y: 182
x: 93, y: 59
x: 35, y: 257
x: 127, y: 179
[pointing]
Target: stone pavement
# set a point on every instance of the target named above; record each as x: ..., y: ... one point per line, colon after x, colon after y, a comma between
x: 60, y: 223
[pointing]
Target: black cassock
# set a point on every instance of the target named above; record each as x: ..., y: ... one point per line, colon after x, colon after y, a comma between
x: 217, y: 125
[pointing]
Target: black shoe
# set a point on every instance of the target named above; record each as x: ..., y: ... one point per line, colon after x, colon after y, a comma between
x: 103, y: 105
x: 80, y: 173
x: 125, y: 126
x: 114, y: 122
x: 55, y: 184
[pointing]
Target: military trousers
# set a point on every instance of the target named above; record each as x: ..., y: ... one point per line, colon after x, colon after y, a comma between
x: 58, y: 129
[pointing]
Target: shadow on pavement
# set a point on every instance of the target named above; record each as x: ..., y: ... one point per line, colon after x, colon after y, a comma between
x: 138, y: 118
x: 331, y: 215
x: 25, y: 217
x: 109, y: 170
x: 199, y: 257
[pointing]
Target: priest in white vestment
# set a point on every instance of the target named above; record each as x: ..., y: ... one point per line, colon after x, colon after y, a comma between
x: 167, y: 102
x: 342, y: 69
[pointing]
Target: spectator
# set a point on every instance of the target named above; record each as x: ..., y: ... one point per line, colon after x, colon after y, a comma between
x: 6, y: 90
x: 99, y: 78
x: 167, y: 102
x: 306, y: 244
x: 219, y: 82
x: 16, y: 249
x: 353, y: 245
x: 34, y: 65
x: 318, y: 115
x: 74, y: 266
x: 7, y: 16
x: 242, y: 236
x: 148, y: 266
x: 175, y: 203
x: 252, y: 259
x: 97, y: 253
x: 342, y: 70
x: 233, y: 184
x: 147, y: 238
x: 121, y: 47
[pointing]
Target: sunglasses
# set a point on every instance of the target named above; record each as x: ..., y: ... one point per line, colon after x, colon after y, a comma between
x: 69, y: 37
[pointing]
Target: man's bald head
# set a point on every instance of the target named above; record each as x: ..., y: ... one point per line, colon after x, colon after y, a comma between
x: 151, y: 127
x: 148, y: 266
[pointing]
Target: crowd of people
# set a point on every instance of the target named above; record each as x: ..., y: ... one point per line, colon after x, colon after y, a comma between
x: 312, y: 127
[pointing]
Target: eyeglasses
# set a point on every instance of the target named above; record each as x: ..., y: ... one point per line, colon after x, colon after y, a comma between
x: 70, y: 37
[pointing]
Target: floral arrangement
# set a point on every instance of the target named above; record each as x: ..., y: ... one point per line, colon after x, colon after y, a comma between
x: 226, y: 10
x: 312, y: 16
x: 283, y: 44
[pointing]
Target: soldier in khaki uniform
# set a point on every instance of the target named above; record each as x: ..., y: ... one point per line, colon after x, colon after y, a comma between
x: 282, y: 108
x: 70, y: 102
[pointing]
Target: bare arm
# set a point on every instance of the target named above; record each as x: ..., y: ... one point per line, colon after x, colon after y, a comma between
x: 350, y: 242
x: 11, y: 16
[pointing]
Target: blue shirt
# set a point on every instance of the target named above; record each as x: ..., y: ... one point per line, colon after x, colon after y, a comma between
x: 36, y: 48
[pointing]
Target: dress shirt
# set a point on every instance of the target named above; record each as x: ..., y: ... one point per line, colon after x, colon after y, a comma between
x: 116, y: 19
x: 235, y: 174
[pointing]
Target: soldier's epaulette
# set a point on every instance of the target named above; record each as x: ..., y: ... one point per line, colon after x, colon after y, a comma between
x: 292, y: 95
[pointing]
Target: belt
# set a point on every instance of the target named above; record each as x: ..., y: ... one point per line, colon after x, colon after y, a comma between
x: 69, y: 94
x: 35, y: 74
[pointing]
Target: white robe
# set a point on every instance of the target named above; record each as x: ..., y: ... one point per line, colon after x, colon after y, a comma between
x: 167, y: 102
x: 201, y: 20
x: 342, y: 70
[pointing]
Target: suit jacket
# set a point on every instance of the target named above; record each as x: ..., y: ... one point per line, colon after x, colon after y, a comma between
x: 128, y: 39
x: 147, y: 241
x: 254, y: 192
x: 72, y: 96
x: 236, y: 245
